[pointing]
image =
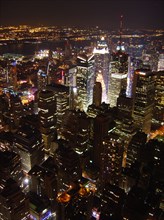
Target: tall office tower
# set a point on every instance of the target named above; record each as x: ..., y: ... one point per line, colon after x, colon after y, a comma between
x: 41, y: 80
x: 136, y: 144
x: 16, y: 111
x: 144, y: 99
x: 68, y: 163
x: 13, y: 203
x: 102, y: 124
x: 75, y: 130
x: 71, y: 81
x: 28, y: 143
x: 10, y: 167
x: 130, y: 77
x: 97, y: 94
x: 117, y: 82
x: 85, y: 79
x: 118, y: 71
x: 125, y: 129
x: 47, y: 115
x: 161, y: 62
x: 158, y: 111
x: 101, y: 53
x: 62, y: 100
x: 124, y: 105
x: 111, y: 159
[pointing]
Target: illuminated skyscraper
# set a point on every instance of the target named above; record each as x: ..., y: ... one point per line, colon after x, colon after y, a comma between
x: 28, y: 143
x: 42, y: 79
x: 61, y: 93
x: 144, y: 99
x: 118, y: 71
x: 101, y: 53
x: 85, y: 79
x: 117, y: 82
x: 47, y: 115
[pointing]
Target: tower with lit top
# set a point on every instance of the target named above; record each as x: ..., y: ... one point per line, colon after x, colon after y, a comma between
x: 101, y: 53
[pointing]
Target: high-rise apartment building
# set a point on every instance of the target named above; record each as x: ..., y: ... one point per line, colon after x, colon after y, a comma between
x: 144, y: 99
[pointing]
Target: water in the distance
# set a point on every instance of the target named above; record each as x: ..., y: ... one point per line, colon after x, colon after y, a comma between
x: 31, y: 48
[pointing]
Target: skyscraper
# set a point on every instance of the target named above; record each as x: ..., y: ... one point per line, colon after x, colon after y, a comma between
x: 101, y: 53
x: 47, y: 115
x: 75, y: 129
x: 85, y: 79
x: 61, y: 93
x: 28, y: 143
x: 118, y: 71
x: 144, y: 99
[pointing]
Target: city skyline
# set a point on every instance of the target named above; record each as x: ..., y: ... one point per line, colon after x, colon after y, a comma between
x: 106, y: 14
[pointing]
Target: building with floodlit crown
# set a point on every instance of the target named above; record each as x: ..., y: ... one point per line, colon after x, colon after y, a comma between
x: 101, y: 53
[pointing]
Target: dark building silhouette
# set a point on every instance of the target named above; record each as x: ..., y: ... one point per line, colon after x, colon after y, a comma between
x: 144, y: 99
x: 13, y: 203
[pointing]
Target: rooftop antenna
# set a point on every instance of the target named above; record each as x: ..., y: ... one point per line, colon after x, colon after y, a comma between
x: 121, y: 29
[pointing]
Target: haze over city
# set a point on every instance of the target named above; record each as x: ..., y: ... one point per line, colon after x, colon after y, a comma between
x: 105, y: 13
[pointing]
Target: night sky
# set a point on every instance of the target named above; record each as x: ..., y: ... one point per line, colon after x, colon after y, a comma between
x: 104, y: 13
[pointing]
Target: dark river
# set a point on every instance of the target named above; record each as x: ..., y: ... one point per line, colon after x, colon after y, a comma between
x: 30, y: 48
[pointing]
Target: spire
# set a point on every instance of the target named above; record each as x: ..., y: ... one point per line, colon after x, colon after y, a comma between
x: 121, y: 29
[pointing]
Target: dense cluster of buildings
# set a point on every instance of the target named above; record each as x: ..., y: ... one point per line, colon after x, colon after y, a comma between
x: 81, y: 134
